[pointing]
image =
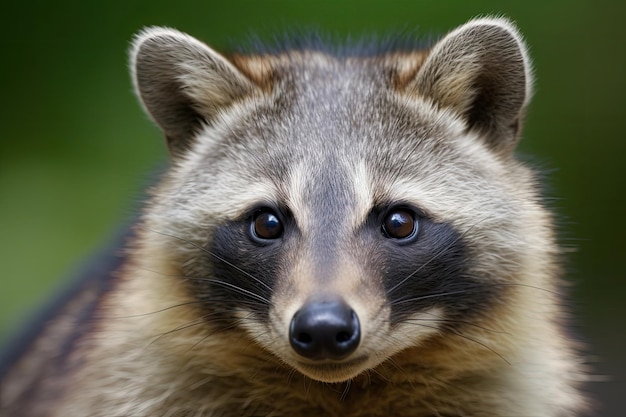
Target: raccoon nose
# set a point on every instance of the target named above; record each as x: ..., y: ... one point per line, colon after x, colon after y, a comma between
x: 325, y: 330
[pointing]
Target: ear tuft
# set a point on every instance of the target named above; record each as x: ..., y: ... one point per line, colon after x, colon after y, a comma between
x: 182, y: 83
x: 481, y: 71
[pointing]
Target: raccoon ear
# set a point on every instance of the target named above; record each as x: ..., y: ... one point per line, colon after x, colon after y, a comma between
x: 182, y: 83
x: 481, y: 70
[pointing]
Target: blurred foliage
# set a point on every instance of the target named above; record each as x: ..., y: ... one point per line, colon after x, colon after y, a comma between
x: 76, y: 150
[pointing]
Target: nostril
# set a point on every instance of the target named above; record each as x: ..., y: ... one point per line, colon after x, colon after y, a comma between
x: 304, y: 338
x: 325, y: 330
x: 343, y: 337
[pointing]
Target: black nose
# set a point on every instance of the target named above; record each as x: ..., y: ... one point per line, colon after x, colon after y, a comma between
x: 325, y: 330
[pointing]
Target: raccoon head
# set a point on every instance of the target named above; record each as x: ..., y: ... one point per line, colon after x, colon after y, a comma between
x: 341, y: 208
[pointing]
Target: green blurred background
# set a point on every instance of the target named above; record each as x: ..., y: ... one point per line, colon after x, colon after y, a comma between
x: 76, y: 149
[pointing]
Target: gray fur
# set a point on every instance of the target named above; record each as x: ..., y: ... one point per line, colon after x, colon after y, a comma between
x: 331, y: 142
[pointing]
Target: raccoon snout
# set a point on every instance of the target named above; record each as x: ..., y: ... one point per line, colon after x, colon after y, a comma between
x: 327, y: 329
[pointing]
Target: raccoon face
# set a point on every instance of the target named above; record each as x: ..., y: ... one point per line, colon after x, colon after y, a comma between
x: 341, y: 209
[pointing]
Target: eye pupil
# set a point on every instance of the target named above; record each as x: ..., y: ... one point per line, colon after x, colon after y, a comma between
x: 399, y: 224
x: 266, y: 225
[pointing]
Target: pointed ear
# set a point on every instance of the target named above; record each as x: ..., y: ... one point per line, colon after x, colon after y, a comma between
x: 182, y: 83
x: 481, y: 71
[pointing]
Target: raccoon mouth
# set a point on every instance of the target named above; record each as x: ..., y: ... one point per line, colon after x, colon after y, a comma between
x: 333, y: 371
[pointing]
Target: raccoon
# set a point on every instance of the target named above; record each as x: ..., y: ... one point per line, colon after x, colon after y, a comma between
x: 341, y: 232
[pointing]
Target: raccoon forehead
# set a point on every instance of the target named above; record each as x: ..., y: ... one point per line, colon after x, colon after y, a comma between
x: 413, y: 152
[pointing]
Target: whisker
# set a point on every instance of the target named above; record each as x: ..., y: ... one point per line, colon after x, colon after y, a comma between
x: 218, y: 282
x: 471, y: 339
x: 236, y: 288
x: 469, y: 290
x: 368, y: 375
x: 442, y: 320
x: 179, y: 328
x: 515, y: 284
x: 159, y: 311
x: 269, y: 365
x: 344, y: 394
x: 434, y: 257
x: 232, y: 326
x: 479, y: 343
x: 291, y: 374
x: 392, y: 363
x: 201, y: 320
x: 424, y: 297
x: 211, y: 253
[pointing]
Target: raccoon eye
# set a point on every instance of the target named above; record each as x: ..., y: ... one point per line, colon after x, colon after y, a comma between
x: 400, y: 224
x: 266, y: 225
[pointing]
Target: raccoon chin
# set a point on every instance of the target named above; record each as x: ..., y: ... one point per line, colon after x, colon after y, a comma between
x: 334, y: 372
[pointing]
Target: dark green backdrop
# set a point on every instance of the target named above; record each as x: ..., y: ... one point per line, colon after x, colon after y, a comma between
x: 76, y: 150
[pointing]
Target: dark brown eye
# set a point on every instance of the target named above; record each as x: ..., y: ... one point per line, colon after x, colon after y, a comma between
x: 400, y: 224
x: 266, y: 225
